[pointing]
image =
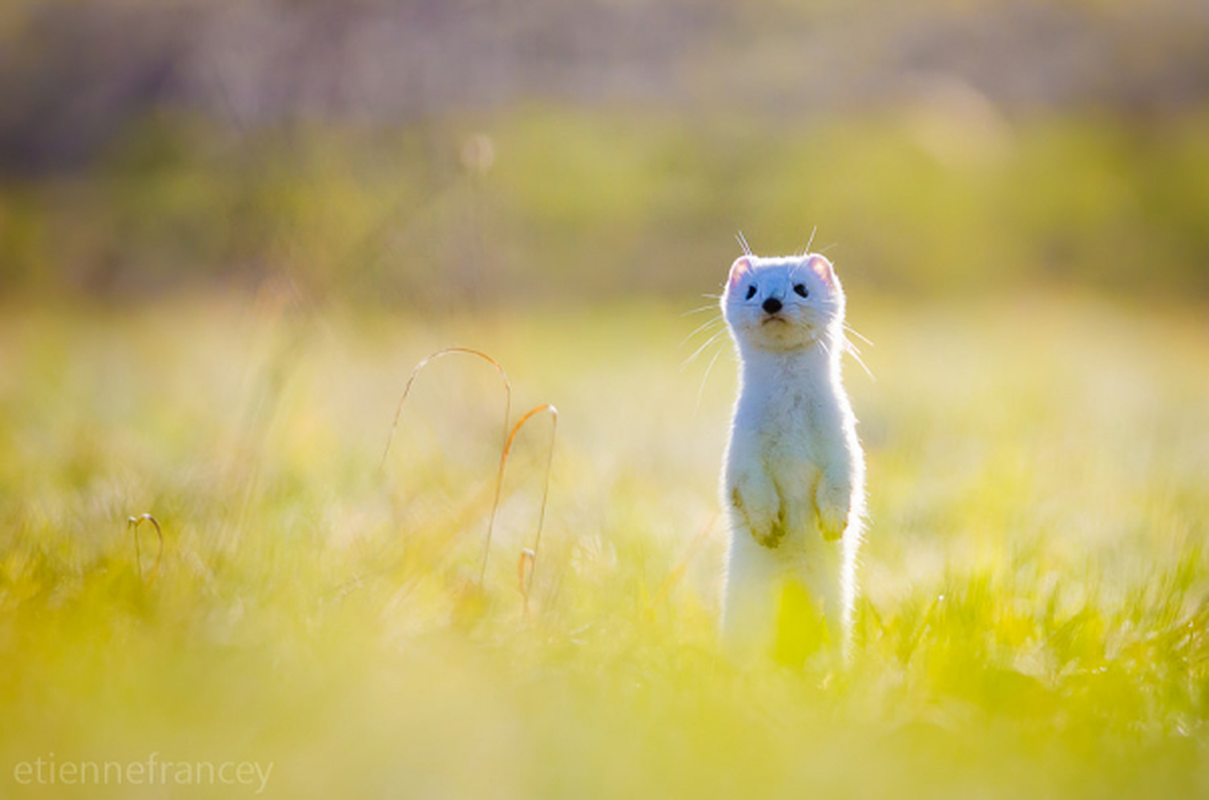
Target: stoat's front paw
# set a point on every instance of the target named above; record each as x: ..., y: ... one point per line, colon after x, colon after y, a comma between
x: 771, y: 535
x: 833, y: 522
x: 833, y: 508
x: 760, y: 510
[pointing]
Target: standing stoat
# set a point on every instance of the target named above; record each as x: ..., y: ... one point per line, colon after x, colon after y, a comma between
x: 793, y: 476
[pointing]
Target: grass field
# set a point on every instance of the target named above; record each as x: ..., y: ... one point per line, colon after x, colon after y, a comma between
x: 1033, y: 622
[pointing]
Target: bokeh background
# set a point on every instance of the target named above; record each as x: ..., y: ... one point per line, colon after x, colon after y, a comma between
x: 230, y: 229
x: 418, y: 152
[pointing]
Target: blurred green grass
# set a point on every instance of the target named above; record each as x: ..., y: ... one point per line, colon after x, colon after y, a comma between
x: 1034, y: 610
x: 543, y: 202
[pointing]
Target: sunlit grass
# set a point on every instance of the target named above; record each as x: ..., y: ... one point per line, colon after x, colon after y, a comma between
x: 1033, y: 622
x: 936, y: 197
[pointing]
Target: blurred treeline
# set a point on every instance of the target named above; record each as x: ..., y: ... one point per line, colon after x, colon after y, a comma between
x: 440, y: 151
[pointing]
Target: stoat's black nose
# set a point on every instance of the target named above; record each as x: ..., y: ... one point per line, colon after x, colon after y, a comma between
x: 772, y: 305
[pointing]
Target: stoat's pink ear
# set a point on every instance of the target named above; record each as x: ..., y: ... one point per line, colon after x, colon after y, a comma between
x: 821, y: 267
x: 739, y: 270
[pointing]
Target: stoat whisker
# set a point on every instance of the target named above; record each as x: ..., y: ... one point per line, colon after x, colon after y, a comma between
x: 704, y: 326
x: 743, y: 243
x: 859, y: 335
x: 702, y: 348
x: 705, y: 377
x: 856, y: 354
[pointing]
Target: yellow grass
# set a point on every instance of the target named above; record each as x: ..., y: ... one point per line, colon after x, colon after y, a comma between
x: 1033, y: 621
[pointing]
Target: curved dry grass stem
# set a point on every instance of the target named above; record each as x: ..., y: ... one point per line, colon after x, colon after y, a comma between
x: 132, y: 525
x: 541, y: 519
x: 424, y: 363
x: 507, y: 439
x: 509, y: 435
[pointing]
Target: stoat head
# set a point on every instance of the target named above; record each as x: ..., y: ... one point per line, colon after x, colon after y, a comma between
x: 784, y: 304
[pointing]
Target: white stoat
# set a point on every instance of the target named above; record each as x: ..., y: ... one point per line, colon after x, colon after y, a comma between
x: 793, y: 479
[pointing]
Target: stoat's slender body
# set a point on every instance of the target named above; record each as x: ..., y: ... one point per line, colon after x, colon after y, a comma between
x: 794, y: 473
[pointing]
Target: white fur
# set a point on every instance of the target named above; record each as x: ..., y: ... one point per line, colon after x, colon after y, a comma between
x: 794, y: 473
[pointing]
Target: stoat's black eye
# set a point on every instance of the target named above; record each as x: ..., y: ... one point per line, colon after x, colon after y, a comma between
x: 800, y: 289
x: 751, y: 291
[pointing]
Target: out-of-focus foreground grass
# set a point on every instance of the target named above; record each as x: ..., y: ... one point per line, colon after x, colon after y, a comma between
x: 1033, y: 621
